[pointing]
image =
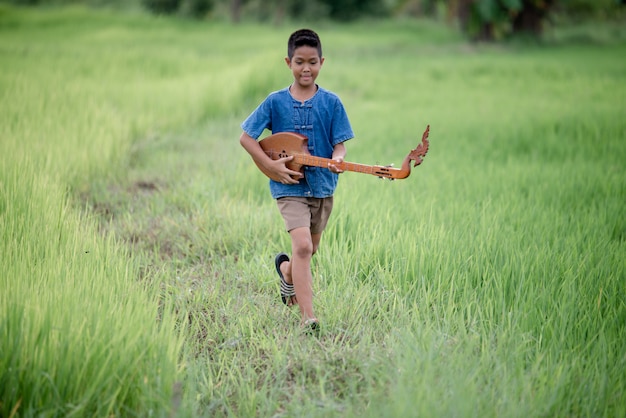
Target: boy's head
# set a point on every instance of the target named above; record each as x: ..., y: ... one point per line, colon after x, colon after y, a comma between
x: 303, y: 37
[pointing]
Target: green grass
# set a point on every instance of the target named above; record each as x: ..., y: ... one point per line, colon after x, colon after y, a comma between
x: 138, y: 237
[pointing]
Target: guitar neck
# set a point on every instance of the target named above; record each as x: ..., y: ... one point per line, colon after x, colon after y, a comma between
x: 376, y: 170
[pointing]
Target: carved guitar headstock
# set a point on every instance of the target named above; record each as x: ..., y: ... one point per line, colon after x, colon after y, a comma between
x: 417, y: 155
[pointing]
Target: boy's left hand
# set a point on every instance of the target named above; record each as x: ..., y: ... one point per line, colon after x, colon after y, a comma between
x: 335, y: 167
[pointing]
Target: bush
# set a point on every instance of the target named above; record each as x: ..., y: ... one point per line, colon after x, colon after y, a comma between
x: 588, y: 8
x: 196, y: 8
x: 161, y: 6
x: 346, y: 10
x: 192, y: 8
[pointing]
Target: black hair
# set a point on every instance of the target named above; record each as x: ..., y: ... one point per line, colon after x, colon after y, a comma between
x: 303, y: 37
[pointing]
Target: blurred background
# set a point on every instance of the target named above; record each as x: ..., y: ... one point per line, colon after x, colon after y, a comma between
x: 485, y: 20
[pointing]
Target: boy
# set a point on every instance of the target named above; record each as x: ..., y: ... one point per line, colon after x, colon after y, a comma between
x: 306, y: 203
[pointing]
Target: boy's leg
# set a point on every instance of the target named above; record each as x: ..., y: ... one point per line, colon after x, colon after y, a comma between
x: 297, y: 213
x: 286, y: 269
x: 300, y: 269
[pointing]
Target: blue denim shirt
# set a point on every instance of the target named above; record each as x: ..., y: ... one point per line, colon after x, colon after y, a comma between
x: 322, y: 119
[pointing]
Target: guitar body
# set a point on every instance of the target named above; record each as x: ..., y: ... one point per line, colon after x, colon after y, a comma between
x: 285, y: 144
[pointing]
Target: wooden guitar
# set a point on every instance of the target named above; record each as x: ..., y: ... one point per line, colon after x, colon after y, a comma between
x: 287, y: 144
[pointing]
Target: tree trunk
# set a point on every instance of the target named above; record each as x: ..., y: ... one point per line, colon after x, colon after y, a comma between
x: 235, y: 9
x: 463, y: 10
x: 486, y: 32
x: 530, y: 19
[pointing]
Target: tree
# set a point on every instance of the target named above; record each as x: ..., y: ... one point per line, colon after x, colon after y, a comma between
x: 495, y: 19
x: 276, y: 10
x: 531, y: 17
x: 345, y: 10
x: 192, y: 8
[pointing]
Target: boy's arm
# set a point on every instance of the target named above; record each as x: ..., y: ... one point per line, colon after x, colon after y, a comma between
x: 339, y: 153
x: 277, y: 167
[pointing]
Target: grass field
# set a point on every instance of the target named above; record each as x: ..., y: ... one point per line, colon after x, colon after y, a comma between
x: 137, y: 237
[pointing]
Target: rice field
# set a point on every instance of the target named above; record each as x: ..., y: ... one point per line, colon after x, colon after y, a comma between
x: 138, y: 238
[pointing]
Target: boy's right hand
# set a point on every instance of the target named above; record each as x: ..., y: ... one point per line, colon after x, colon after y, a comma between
x: 283, y: 174
x: 277, y: 170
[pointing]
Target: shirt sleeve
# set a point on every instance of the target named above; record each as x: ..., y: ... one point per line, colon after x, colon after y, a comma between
x: 341, y: 130
x: 259, y: 120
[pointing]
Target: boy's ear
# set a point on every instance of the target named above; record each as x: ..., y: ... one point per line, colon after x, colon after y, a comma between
x: 288, y: 61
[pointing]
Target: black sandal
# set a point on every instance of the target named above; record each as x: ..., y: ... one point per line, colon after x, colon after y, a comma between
x: 286, y: 290
x: 312, y: 327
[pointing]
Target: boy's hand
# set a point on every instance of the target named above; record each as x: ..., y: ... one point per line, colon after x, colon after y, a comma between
x: 339, y: 153
x: 335, y: 167
x: 283, y: 173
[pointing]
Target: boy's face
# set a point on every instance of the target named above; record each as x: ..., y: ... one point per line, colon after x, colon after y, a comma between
x: 305, y: 65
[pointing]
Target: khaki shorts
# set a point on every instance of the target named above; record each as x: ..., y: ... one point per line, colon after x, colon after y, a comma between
x: 307, y: 212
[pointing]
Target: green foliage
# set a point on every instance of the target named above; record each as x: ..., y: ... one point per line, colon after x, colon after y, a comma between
x: 162, y: 6
x: 345, y: 10
x: 314, y: 10
x: 589, y: 8
x: 192, y: 8
x: 197, y: 8
x: 498, y: 19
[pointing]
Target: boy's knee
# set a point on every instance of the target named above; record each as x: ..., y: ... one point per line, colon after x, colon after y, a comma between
x: 304, y: 249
